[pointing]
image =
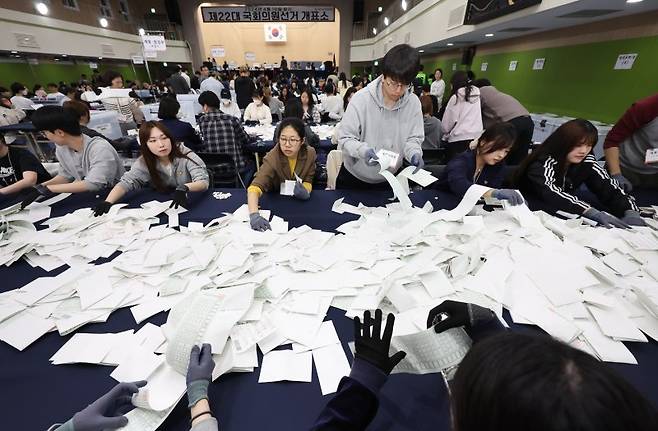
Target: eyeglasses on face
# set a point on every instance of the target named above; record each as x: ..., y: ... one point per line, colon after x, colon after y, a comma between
x: 396, y: 85
x: 292, y: 141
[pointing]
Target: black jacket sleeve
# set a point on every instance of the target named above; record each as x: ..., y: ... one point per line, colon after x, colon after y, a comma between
x: 351, y: 409
x: 607, y: 189
x: 541, y: 180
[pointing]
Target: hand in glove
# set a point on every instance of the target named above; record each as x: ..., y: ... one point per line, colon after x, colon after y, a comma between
x: 417, y: 161
x: 604, y: 219
x: 179, y: 197
x: 370, y: 157
x: 373, y: 347
x: 35, y: 193
x: 258, y: 223
x: 633, y: 218
x: 453, y: 314
x: 623, y: 182
x: 107, y: 411
x: 300, y: 192
x: 511, y: 196
x: 103, y: 207
x: 199, y: 373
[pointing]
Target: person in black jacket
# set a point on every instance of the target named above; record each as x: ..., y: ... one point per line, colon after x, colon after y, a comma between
x: 483, y: 165
x: 244, y: 88
x: 558, y: 167
x: 182, y: 130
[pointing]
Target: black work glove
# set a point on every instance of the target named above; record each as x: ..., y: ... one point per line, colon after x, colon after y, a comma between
x: 35, y: 193
x: 103, y: 207
x: 372, y: 347
x: 180, y: 197
x: 453, y: 314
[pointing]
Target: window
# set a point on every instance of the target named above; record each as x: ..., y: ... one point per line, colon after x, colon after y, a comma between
x: 106, y: 9
x: 123, y: 10
x: 70, y: 4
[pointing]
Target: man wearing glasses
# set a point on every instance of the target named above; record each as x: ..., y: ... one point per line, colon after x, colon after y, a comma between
x: 385, y: 115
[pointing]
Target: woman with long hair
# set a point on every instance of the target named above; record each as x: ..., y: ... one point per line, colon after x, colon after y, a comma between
x: 462, y: 120
x: 164, y: 164
x: 311, y: 112
x: 558, y: 167
x: 343, y: 84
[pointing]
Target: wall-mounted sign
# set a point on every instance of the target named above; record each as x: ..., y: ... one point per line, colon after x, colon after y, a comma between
x: 268, y: 14
x: 484, y: 67
x: 137, y: 59
x: 250, y: 56
x: 154, y: 42
x: 93, y: 65
x: 454, y: 66
x: 538, y: 64
x: 217, y: 51
x: 512, y: 65
x: 625, y: 61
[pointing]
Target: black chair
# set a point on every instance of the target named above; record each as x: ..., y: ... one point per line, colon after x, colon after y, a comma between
x: 434, y: 156
x: 222, y: 170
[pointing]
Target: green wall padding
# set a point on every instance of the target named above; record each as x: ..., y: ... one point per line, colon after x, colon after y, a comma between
x: 577, y: 80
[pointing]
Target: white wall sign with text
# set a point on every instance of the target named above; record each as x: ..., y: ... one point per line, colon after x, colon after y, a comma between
x: 154, y: 42
x: 512, y: 65
x: 217, y: 51
x: 454, y: 66
x: 137, y: 59
x: 539, y: 64
x: 250, y: 56
x: 625, y: 61
x: 484, y: 67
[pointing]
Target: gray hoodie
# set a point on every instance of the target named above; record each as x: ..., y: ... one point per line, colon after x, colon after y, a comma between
x: 184, y: 170
x: 367, y: 123
x: 98, y: 164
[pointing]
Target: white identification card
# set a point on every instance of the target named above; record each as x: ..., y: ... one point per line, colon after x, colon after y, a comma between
x: 651, y: 156
x: 288, y: 188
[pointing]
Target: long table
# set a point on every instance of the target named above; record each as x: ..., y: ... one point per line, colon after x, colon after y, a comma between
x: 36, y: 394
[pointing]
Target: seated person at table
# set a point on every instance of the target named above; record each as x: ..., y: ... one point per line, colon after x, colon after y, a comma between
x: 311, y: 113
x: 509, y: 381
x: 483, y: 165
x: 54, y: 93
x: 39, y: 92
x: 164, y: 164
x: 19, y: 98
x: 431, y: 125
x: 291, y: 157
x: 294, y: 109
x: 130, y: 116
x: 9, y: 114
x: 107, y: 412
x: 258, y: 110
x: 83, y: 115
x: 223, y: 134
x: 332, y: 104
x: 19, y: 169
x: 181, y: 130
x: 228, y: 106
x: 384, y: 116
x: 628, y: 143
x: 559, y: 166
x: 85, y: 164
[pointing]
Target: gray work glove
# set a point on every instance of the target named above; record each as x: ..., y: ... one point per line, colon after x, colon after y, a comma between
x: 417, y: 161
x: 511, y: 196
x: 623, y: 182
x: 300, y: 192
x: 633, y: 218
x: 370, y: 157
x: 258, y: 223
x: 199, y: 373
x: 605, y: 219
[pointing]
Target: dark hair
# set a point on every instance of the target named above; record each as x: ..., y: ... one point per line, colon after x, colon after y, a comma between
x: 293, y: 109
x: 36, y: 88
x: 209, y: 98
x: 151, y: 159
x: 51, y: 118
x: 426, y: 88
x: 427, y: 105
x: 309, y: 94
x: 283, y: 98
x: 17, y: 87
x: 259, y: 92
x: 346, y: 97
x: 470, y: 74
x: 515, y: 382
x: 80, y: 109
x: 293, y: 122
x: 356, y: 81
x: 482, y: 82
x: 109, y: 76
x: 440, y: 70
x: 342, y: 78
x: 329, y: 88
x: 168, y: 108
x: 401, y: 63
x: 52, y: 84
x: 564, y: 139
x: 501, y: 135
x: 460, y: 80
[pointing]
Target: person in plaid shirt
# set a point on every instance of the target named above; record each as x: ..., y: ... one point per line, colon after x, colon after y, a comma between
x: 223, y: 134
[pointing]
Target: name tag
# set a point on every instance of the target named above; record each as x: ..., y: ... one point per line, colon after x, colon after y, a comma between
x: 288, y: 188
x: 651, y: 156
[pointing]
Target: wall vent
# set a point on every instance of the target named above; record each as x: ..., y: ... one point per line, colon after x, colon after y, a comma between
x: 456, y: 17
x: 26, y: 40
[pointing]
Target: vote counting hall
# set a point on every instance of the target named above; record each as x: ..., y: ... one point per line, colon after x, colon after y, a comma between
x: 329, y: 215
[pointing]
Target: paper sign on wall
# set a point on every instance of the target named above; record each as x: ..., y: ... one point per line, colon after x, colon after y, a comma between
x: 454, y: 66
x: 484, y: 67
x: 512, y: 65
x: 154, y: 42
x: 250, y: 56
x: 137, y: 59
x: 539, y: 64
x: 625, y: 61
x: 93, y: 65
x: 217, y: 51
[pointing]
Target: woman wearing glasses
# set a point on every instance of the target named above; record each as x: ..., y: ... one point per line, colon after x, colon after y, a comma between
x: 290, y: 159
x: 386, y: 115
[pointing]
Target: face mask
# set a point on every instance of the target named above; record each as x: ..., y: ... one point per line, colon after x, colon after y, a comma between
x: 226, y: 102
x: 24, y: 92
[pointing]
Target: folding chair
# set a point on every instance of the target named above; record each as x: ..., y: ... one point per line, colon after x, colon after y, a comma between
x: 222, y: 170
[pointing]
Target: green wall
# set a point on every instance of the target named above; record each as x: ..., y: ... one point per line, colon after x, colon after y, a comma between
x: 50, y: 71
x: 577, y: 80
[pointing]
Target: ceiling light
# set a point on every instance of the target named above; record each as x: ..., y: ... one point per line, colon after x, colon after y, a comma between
x: 65, y: 55
x: 100, y: 58
x: 404, y: 5
x: 421, y: 50
x: 164, y: 64
x: 379, y: 9
x: 489, y: 35
x: 152, y: 10
x: 449, y: 44
x: 57, y: 59
x: 42, y: 8
x: 374, y: 30
x: 376, y: 63
x: 633, y: 1
x: 142, y: 32
x: 386, y: 20
x: 103, y: 22
x: 14, y: 52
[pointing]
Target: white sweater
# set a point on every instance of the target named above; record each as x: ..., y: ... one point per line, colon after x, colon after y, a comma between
x: 462, y: 119
x: 260, y: 113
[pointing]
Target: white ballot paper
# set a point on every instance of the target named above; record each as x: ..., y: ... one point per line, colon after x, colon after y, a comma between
x: 288, y: 188
x: 280, y: 365
x: 429, y: 352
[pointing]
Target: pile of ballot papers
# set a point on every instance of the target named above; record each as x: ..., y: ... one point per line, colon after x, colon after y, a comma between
x: 242, y: 290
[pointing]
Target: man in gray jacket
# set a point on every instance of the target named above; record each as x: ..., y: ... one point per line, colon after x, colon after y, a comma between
x: 86, y: 164
x: 386, y: 115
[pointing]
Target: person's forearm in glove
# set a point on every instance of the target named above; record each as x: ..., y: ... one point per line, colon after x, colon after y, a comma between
x: 604, y: 219
x: 511, y: 196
